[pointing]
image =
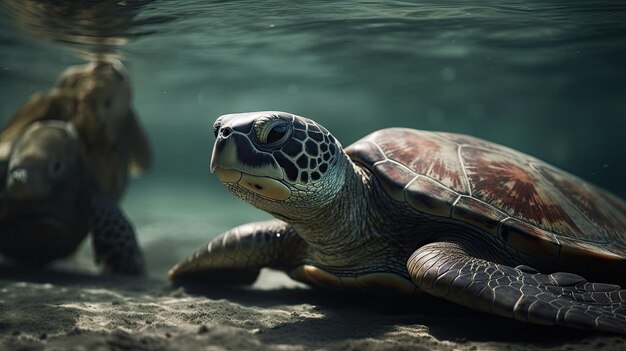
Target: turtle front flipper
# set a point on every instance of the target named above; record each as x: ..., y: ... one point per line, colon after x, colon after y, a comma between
x: 113, y: 238
x: 451, y: 271
x: 237, y: 256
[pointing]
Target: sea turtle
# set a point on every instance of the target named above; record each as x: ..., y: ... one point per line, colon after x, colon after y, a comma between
x: 96, y: 98
x: 411, y: 211
x: 50, y: 201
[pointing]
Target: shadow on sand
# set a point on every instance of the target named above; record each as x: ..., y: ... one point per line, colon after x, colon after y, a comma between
x: 355, y: 316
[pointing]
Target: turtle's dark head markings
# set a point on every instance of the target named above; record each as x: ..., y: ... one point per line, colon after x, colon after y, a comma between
x: 47, y: 154
x: 269, y: 157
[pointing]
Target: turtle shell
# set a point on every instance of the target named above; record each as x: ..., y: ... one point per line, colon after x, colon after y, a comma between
x: 535, y: 208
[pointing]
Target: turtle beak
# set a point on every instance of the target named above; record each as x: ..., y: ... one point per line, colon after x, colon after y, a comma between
x: 224, y: 151
x: 213, y: 159
x: 261, y: 178
x: 220, y: 135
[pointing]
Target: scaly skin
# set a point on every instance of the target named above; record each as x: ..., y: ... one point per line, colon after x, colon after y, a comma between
x: 452, y: 271
x: 113, y: 237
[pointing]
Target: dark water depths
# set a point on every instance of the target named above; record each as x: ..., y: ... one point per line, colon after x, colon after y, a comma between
x: 544, y: 77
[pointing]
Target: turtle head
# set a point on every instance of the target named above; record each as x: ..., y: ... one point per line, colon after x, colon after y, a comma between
x: 46, y: 154
x: 279, y: 162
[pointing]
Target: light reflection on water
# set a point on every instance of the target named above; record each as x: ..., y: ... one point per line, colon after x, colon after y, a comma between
x: 543, y: 77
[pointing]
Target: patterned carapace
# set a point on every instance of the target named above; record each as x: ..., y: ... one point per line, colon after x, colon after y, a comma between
x: 533, y: 207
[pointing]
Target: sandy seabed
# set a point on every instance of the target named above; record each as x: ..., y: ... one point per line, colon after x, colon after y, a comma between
x: 60, y: 309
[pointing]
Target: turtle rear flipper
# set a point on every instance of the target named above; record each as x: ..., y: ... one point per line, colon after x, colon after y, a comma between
x: 113, y: 237
x: 449, y: 270
x: 237, y: 256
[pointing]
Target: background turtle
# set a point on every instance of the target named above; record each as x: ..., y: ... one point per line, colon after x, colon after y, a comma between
x: 96, y: 98
x: 51, y: 201
x: 412, y: 211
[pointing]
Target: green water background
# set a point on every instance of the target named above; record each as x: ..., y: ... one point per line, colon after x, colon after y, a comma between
x: 544, y: 77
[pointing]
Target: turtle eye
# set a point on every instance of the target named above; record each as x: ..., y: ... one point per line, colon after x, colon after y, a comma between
x: 276, y: 133
x: 273, y: 134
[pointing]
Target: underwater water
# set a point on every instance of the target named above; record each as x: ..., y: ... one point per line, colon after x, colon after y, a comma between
x: 544, y: 77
